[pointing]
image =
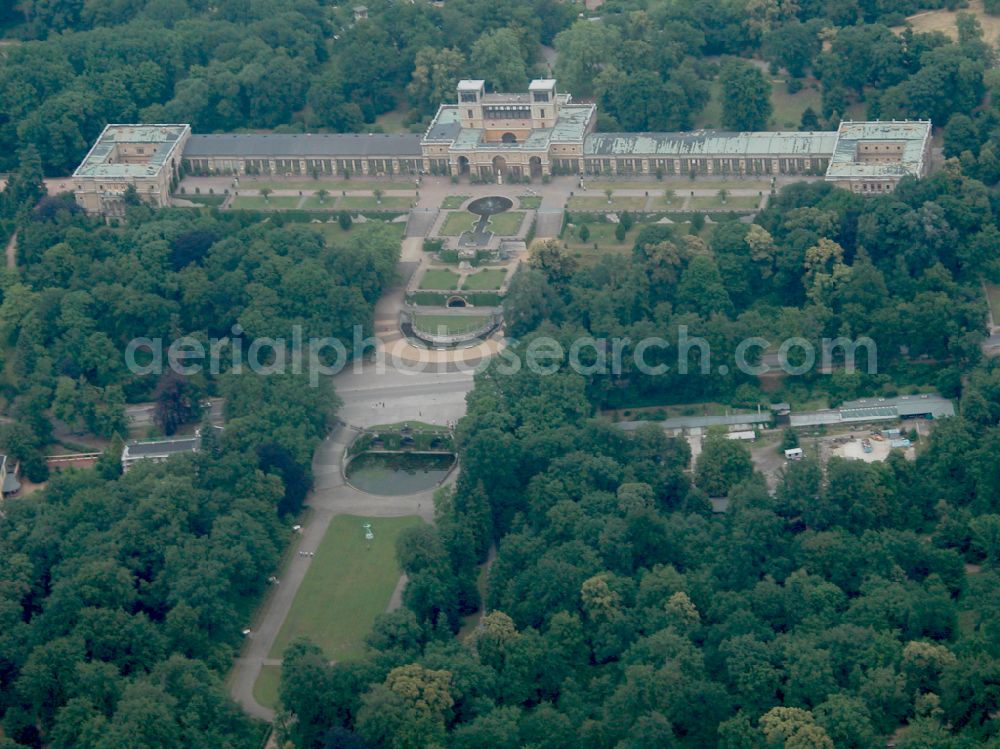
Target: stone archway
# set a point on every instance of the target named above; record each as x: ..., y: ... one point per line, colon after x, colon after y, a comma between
x: 500, y: 166
x: 535, y: 164
x: 508, y: 138
x: 463, y: 165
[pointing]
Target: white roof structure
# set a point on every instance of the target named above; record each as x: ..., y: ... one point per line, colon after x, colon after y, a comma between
x: 103, y: 159
x: 924, y: 405
x: 712, y: 143
x: 911, y: 137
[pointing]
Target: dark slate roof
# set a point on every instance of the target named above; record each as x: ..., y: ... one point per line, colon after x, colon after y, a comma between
x: 303, y: 144
x: 10, y: 484
x: 444, y: 131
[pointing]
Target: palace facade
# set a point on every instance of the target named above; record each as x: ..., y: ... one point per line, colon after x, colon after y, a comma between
x: 498, y: 136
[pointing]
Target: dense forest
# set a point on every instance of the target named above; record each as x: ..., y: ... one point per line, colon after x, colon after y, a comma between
x: 902, y: 269
x: 85, y: 290
x: 122, y: 597
x: 620, y: 612
x: 275, y: 64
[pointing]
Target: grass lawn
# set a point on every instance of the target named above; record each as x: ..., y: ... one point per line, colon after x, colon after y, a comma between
x: 600, y: 204
x: 733, y: 203
x: 485, y: 280
x: 202, y: 199
x: 944, y: 21
x: 452, y: 324
x: 393, y: 121
x: 348, y: 584
x: 416, y: 425
x: 457, y: 222
x: 506, y: 224
x: 313, y: 203
x: 334, y: 186
x: 439, y: 279
x: 788, y: 108
x: 265, y: 689
x: 603, y: 235
x: 532, y: 202
x: 257, y: 202
x: 364, y: 203
x: 623, y: 184
x: 711, y: 115
x: 453, y: 202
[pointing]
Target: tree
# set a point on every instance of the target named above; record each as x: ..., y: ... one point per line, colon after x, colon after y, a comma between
x: 960, y: 135
x: 407, y: 710
x: 809, y: 120
x: 583, y: 50
x: 985, y: 531
x: 265, y: 192
x: 322, y: 194
x: 530, y: 299
x: 608, y: 193
x: 701, y: 289
x: 304, y: 690
x: 178, y: 401
x: 583, y: 232
x: 846, y: 720
x: 25, y: 187
x: 344, y: 219
x: 793, y: 728
x: 557, y: 264
x: 722, y: 464
x: 20, y: 443
x: 378, y: 193
x: 746, y: 97
x: 789, y: 439
x: 498, y: 58
x: 792, y: 45
x: 620, y: 231
x: 825, y: 270
x: 330, y: 102
x: 436, y: 73
x: 723, y: 195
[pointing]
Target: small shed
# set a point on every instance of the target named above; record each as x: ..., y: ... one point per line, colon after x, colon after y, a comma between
x: 794, y: 453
